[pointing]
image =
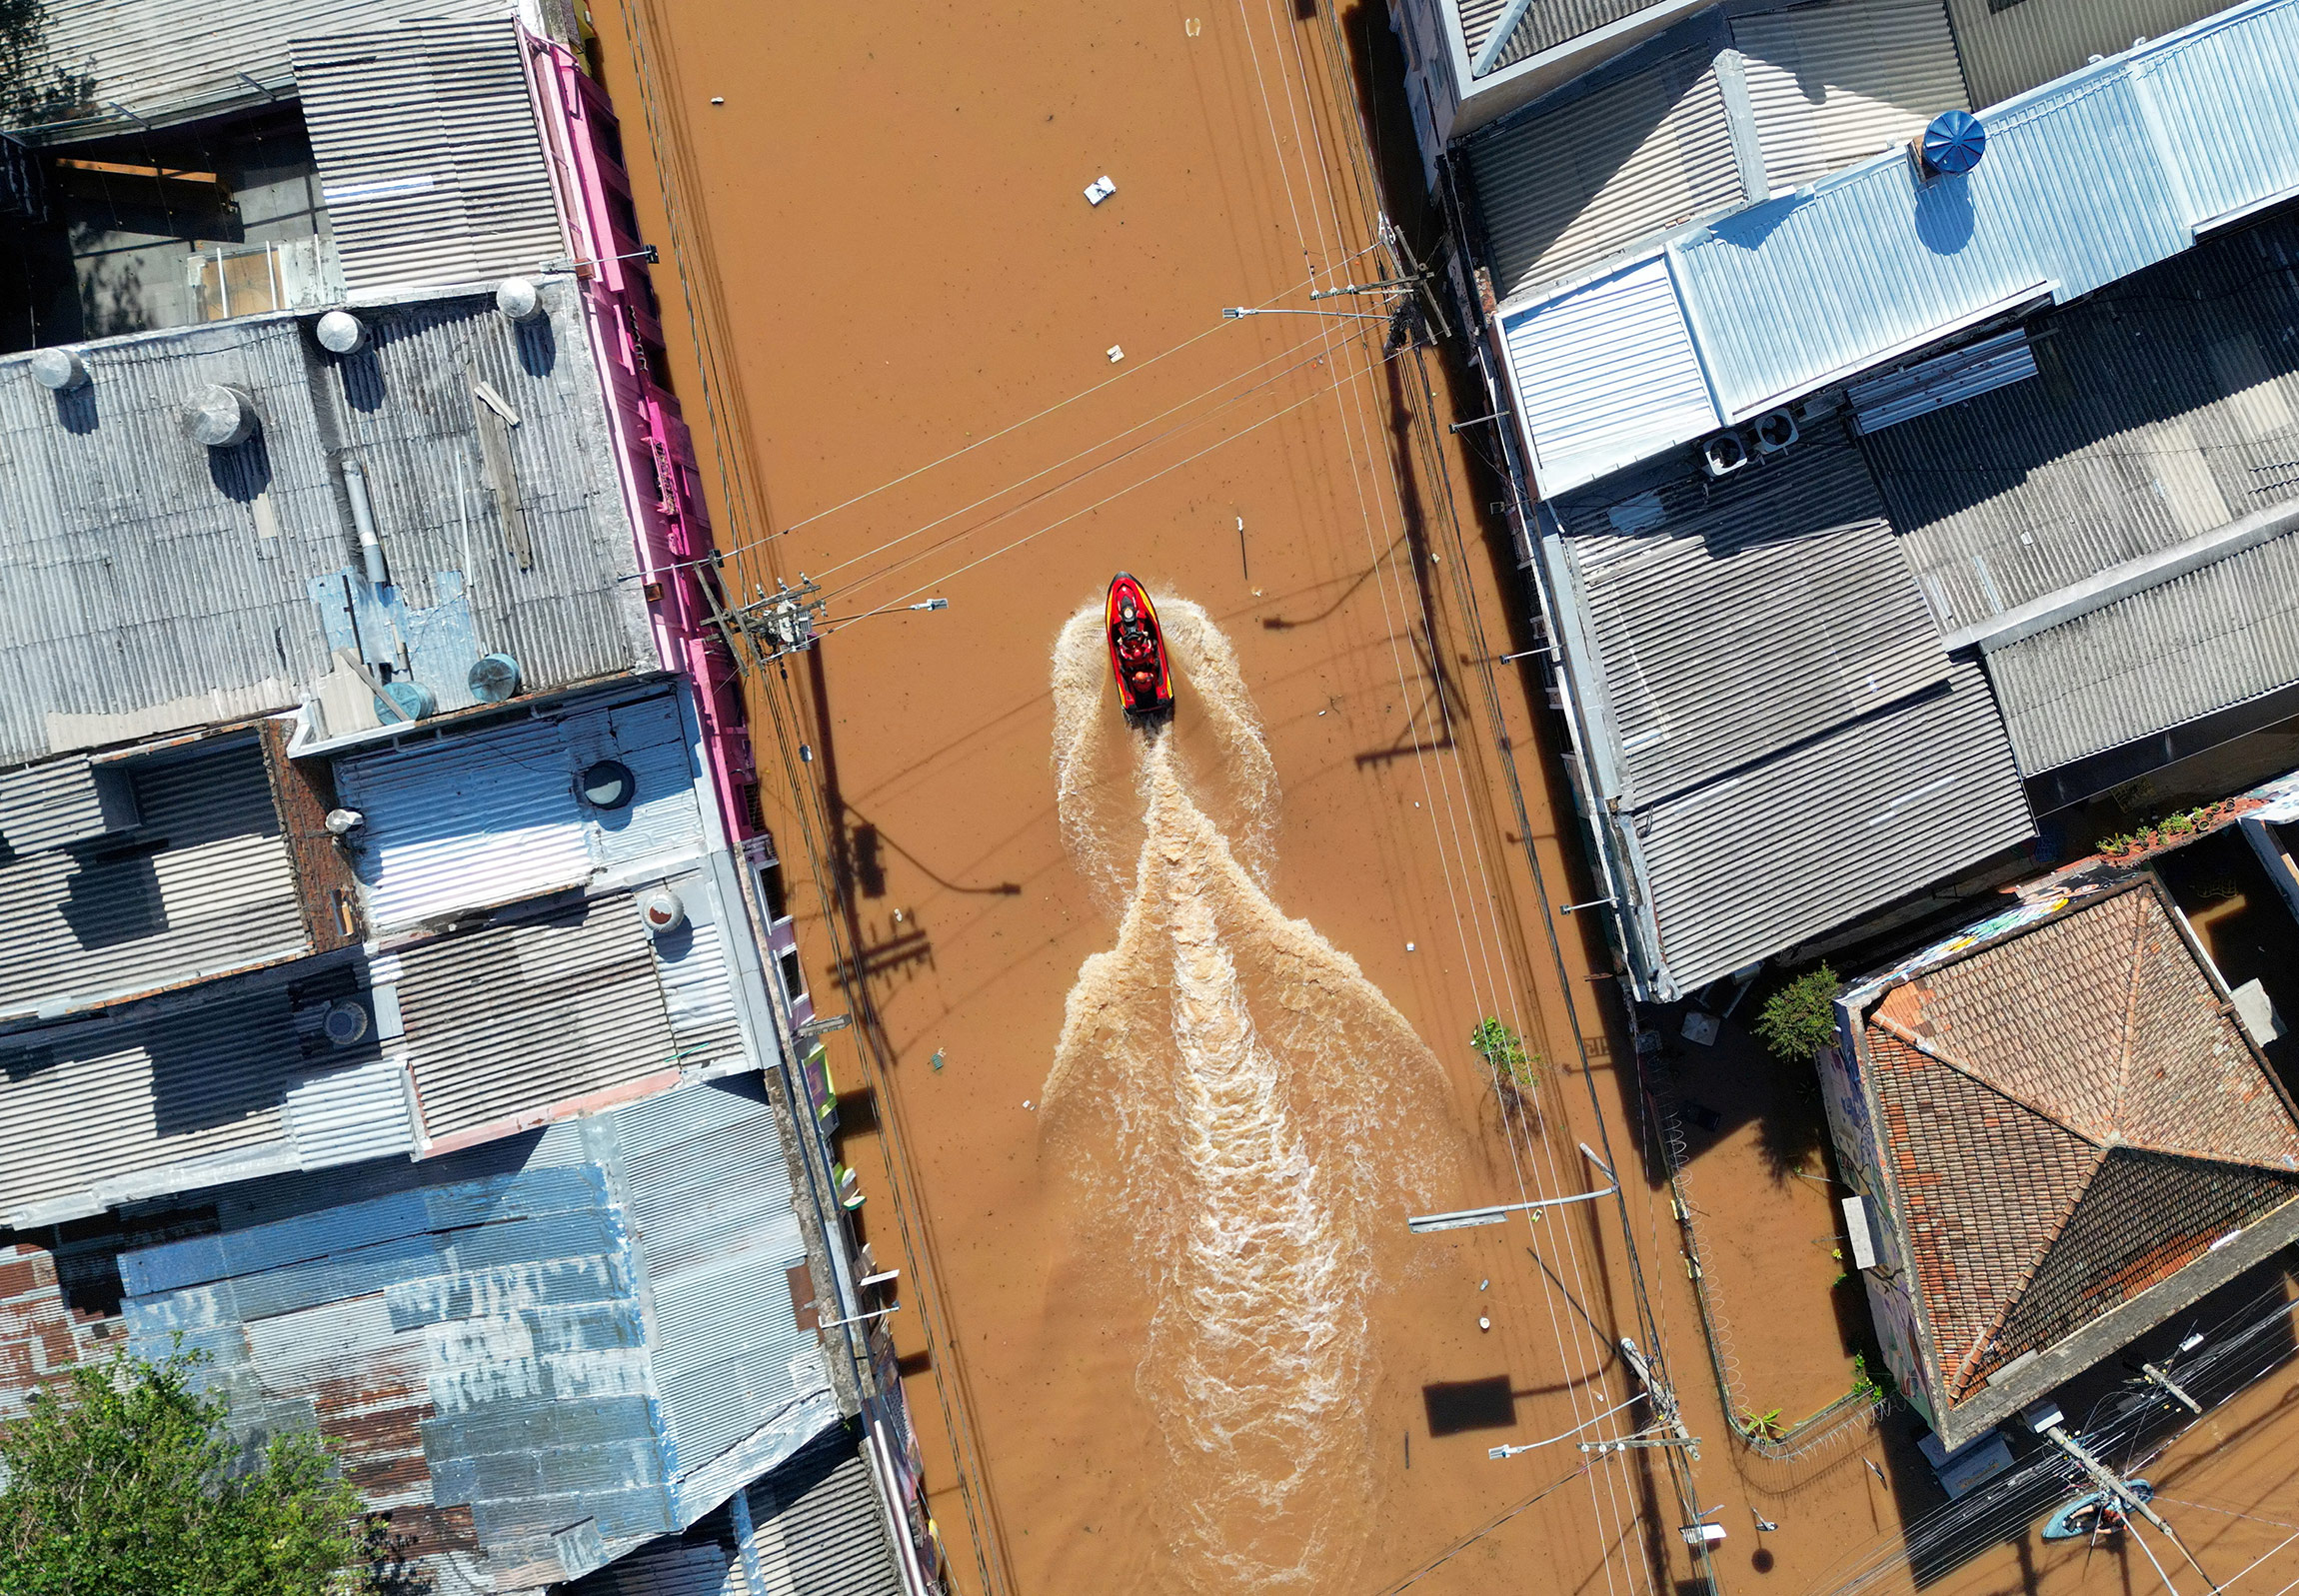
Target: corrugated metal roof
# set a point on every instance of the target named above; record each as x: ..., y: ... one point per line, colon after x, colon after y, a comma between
x: 428, y: 156
x: 1944, y: 379
x: 1562, y: 188
x: 1752, y: 864
x: 2133, y: 441
x: 48, y: 806
x: 515, y: 1024
x: 1786, y: 297
x: 201, y: 885
x: 1746, y: 615
x: 817, y: 1527
x: 814, y: 1529
x: 156, y: 585
x: 1833, y: 84
x: 167, y: 63
x: 484, y: 1338
x: 236, y: 1081
x: 494, y: 815
x: 537, y: 1011
x: 2009, y: 49
x: 1535, y: 25
x: 2199, y: 643
x: 1604, y: 372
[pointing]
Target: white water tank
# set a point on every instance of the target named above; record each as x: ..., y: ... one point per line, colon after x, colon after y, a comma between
x: 59, y: 369
x: 662, y: 911
x: 519, y: 299
x: 220, y: 417
x: 341, y: 333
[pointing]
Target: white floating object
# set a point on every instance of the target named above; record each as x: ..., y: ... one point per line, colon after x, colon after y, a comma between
x: 1483, y: 1323
x: 1408, y: 948
x: 1114, y: 353
x: 1026, y: 1103
x: 1100, y: 189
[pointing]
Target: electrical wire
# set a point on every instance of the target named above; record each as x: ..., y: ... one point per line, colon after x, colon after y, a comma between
x: 970, y: 1481
x: 1005, y: 548
x: 1478, y: 952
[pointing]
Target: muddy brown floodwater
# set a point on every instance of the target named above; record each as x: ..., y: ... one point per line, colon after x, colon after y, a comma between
x: 1164, y: 1036
x: 1161, y: 1038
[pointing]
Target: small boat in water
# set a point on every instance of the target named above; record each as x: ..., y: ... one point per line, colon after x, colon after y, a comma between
x: 1137, y: 652
x: 2093, y: 1513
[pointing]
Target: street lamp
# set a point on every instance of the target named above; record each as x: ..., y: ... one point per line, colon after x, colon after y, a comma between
x: 1463, y: 1218
x: 1231, y: 313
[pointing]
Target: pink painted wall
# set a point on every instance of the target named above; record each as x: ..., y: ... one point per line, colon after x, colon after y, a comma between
x: 655, y: 454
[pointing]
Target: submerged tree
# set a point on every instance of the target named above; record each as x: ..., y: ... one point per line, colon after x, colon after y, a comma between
x: 122, y: 1480
x: 1514, y: 1072
x: 1800, y: 1018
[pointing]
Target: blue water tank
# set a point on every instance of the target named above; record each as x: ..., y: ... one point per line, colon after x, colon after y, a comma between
x: 414, y: 700
x: 1954, y: 142
x: 494, y: 678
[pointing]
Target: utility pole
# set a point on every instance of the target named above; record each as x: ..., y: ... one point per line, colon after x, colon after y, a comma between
x: 2046, y: 1420
x: 1663, y: 1405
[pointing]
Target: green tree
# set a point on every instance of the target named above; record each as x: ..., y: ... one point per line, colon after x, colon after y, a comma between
x: 1800, y: 1018
x: 122, y: 1480
x: 1514, y: 1074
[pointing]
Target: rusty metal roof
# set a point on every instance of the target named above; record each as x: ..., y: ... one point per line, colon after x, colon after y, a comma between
x: 538, y: 1355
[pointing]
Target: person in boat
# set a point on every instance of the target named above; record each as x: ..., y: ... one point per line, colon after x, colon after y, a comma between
x: 1137, y: 652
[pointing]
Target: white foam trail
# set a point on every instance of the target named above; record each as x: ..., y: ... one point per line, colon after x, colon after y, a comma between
x: 1245, y: 1117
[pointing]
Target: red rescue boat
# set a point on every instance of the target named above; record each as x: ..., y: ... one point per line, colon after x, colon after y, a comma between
x: 1137, y: 651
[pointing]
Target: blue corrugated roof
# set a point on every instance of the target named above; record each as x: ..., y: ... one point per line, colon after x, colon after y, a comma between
x: 589, y: 1336
x: 2086, y: 180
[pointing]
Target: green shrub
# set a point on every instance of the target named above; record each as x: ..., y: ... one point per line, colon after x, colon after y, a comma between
x: 1800, y: 1018
x: 122, y: 1480
x: 1514, y: 1072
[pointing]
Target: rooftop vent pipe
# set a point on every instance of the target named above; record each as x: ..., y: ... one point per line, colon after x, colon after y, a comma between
x: 341, y: 333
x: 59, y: 369
x: 363, y: 516
x: 221, y: 417
x: 518, y: 300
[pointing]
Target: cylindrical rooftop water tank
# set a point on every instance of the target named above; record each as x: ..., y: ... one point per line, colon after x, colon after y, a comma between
x: 661, y: 911
x: 519, y: 299
x: 494, y: 678
x: 60, y: 369
x: 220, y: 417
x: 1953, y: 143
x: 341, y: 333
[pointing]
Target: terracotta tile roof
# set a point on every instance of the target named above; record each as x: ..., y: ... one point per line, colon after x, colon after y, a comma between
x: 2070, y: 1117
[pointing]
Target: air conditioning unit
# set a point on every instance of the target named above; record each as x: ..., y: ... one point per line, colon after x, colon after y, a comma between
x: 1776, y: 431
x: 1723, y: 454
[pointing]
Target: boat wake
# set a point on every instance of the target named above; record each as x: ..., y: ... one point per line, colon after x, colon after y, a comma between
x: 1246, y: 1115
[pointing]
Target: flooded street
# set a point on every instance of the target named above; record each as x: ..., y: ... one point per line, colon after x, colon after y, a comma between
x: 1168, y: 1032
